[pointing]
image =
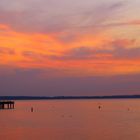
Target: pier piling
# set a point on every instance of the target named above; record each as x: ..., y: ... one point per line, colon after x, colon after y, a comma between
x: 7, y: 104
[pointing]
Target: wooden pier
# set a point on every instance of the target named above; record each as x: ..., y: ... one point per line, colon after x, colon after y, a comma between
x: 7, y: 104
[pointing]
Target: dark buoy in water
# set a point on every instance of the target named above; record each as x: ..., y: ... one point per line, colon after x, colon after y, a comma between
x: 32, y: 109
x: 99, y: 107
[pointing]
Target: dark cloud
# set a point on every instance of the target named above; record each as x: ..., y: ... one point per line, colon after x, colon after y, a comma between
x: 130, y: 53
x: 117, y: 49
x: 76, y: 53
x: 29, y: 82
x: 123, y: 49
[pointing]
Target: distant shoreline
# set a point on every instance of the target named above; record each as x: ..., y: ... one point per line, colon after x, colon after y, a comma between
x: 68, y: 97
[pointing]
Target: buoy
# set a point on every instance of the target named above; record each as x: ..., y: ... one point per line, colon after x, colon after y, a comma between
x: 32, y: 109
x: 99, y: 107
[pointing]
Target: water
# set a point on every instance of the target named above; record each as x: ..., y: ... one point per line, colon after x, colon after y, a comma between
x: 72, y: 120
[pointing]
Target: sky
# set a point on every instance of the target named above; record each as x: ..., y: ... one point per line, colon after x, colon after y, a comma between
x: 68, y: 47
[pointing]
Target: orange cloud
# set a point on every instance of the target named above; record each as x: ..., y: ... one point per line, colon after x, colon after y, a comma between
x: 86, y: 54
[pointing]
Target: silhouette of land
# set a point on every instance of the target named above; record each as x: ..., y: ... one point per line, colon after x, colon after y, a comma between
x: 67, y: 97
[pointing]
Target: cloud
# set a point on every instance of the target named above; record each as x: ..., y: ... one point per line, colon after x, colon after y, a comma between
x: 75, y: 54
x: 117, y: 49
x: 47, y: 17
x: 69, y: 37
x: 127, y: 53
x: 124, y: 49
x: 119, y: 24
x: 30, y: 54
x: 27, y: 82
x: 4, y: 50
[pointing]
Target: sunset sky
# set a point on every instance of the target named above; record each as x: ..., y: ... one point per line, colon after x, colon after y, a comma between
x: 69, y: 47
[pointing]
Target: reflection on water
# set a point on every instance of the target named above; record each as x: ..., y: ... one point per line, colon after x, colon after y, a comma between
x: 72, y: 120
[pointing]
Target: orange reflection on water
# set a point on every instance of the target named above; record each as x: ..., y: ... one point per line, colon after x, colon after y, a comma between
x: 72, y: 120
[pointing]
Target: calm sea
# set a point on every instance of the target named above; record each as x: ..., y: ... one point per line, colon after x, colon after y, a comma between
x: 72, y: 120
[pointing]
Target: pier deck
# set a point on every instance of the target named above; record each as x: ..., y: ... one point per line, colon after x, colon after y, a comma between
x: 7, y: 104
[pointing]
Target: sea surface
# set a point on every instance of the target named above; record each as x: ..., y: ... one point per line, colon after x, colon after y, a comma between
x: 118, y: 119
